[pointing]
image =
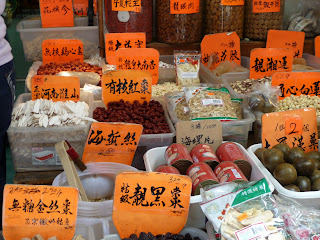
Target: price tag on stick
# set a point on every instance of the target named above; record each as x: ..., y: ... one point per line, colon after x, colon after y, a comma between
x: 49, y: 211
x: 126, y: 5
x: 297, y: 128
x: 317, y: 46
x: 297, y: 83
x: 112, y: 142
x: 286, y: 39
x: 128, y: 85
x: 56, y: 13
x: 192, y: 133
x: 114, y: 41
x: 139, y: 59
x: 56, y: 88
x: 264, y: 62
x: 150, y: 202
x: 62, y: 50
x: 226, y: 47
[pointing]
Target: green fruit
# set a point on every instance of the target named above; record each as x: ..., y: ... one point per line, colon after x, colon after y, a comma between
x: 285, y: 173
x: 316, y: 185
x: 316, y: 163
x: 283, y: 148
x: 259, y: 152
x: 293, y: 154
x: 271, y: 158
x: 303, y: 183
x: 315, y: 175
x: 314, y: 155
x: 304, y: 166
x: 292, y: 187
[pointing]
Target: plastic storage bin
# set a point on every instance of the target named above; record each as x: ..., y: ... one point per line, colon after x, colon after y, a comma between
x: 32, y: 35
x: 236, y: 130
x: 27, y: 141
x: 308, y: 199
x: 155, y: 157
x: 152, y: 140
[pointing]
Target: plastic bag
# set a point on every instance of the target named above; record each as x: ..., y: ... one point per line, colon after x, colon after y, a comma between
x: 95, y: 90
x: 305, y: 18
x: 209, y: 103
x: 176, y: 103
x: 226, y: 67
x: 236, y: 104
x: 243, y: 211
x: 263, y: 98
x: 301, y: 222
x: 187, y: 67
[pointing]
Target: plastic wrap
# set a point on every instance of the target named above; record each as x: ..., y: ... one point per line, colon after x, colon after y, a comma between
x: 221, y: 18
x: 176, y: 102
x: 305, y: 17
x: 187, y: 67
x: 95, y: 90
x: 178, y: 28
x: 246, y: 211
x: 226, y: 67
x: 257, y: 25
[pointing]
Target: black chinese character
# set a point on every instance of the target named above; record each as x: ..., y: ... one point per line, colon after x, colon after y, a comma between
x: 43, y: 221
x: 267, y: 144
x: 112, y: 86
x: 316, y: 88
x: 28, y: 206
x: 152, y: 65
x: 53, y: 207
x: 234, y: 55
x: 144, y: 87
x: 207, y: 140
x: 112, y: 138
x: 66, y: 207
x: 283, y: 64
x: 41, y: 206
x: 65, y: 9
x: 139, y: 197
x: 176, y: 6
x: 298, y: 142
x: 139, y: 43
x: 118, y: 44
x: 186, y: 141
x: 282, y: 140
x: 296, y: 54
x: 272, y: 65
x: 15, y: 206
x: 97, y: 139
x: 258, y: 67
x: 223, y: 56
x: 175, y: 201
x: 205, y: 58
x: 130, y: 139
x: 313, y: 142
x: 157, y: 192
x: 125, y: 196
x: 127, y: 44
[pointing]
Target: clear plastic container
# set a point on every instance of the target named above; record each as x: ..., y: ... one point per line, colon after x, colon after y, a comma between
x: 221, y: 18
x: 151, y: 140
x: 178, y: 28
x: 32, y: 36
x: 308, y: 199
x: 27, y: 141
x: 196, y: 218
x: 130, y: 21
x: 236, y: 130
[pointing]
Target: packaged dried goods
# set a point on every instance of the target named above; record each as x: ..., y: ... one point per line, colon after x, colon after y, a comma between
x: 167, y: 236
x: 160, y: 90
x: 150, y: 115
x: 187, y: 67
x: 179, y: 28
x: 177, y: 103
x: 131, y: 21
x: 226, y: 67
x: 245, y: 86
x: 39, y: 237
x: 236, y: 104
x: 209, y: 103
x: 223, y: 18
x: 246, y: 212
x: 260, y: 17
x: 300, y: 64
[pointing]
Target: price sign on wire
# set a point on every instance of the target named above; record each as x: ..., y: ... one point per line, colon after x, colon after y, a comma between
x: 56, y: 13
x: 62, y: 50
x: 264, y: 62
x: 287, y: 39
x: 297, y: 128
x: 139, y: 59
x: 142, y: 199
x: 114, y: 41
x: 226, y: 47
x: 297, y: 83
x: 266, y: 6
x: 317, y: 46
x: 184, y: 6
x: 49, y: 211
x: 126, y: 5
x: 112, y: 142
x: 55, y: 88
x: 80, y: 7
x: 128, y: 85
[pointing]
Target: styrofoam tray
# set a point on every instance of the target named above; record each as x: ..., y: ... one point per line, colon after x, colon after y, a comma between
x: 309, y: 199
x: 155, y: 157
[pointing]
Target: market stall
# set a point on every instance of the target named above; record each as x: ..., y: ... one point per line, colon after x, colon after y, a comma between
x: 177, y: 120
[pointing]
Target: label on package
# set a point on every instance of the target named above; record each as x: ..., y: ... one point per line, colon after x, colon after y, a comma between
x: 189, y: 74
x: 45, y: 156
x: 252, y: 232
x: 235, y: 173
x: 206, y: 102
x: 184, y: 6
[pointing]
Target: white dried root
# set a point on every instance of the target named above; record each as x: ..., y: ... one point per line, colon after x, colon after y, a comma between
x: 160, y: 90
x: 264, y: 216
x: 39, y: 237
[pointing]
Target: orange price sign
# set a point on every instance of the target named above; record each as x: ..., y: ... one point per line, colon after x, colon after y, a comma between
x: 297, y: 128
x: 139, y: 59
x: 264, y: 62
x: 266, y: 6
x: 80, y: 7
x: 62, y: 50
x: 114, y: 41
x: 56, y: 88
x: 297, y: 83
x: 112, y: 142
x: 49, y: 211
x: 142, y: 199
x: 126, y: 5
x: 286, y: 39
x: 232, y: 2
x: 317, y: 46
x: 128, y: 85
x: 226, y: 47
x: 56, y: 13
x: 184, y: 6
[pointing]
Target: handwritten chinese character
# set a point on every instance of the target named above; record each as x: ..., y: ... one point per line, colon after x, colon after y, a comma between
x: 175, y: 201
x: 139, y: 197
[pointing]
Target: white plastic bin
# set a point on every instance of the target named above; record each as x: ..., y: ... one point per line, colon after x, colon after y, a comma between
x: 25, y: 141
x: 236, y: 130
x: 308, y: 199
x: 32, y: 35
x: 155, y: 157
x: 84, y: 231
